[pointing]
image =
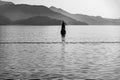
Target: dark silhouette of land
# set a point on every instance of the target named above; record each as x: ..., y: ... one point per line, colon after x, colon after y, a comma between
x: 20, y: 14
x: 38, y: 20
x: 4, y: 20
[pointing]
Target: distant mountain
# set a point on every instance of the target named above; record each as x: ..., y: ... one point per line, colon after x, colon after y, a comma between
x: 4, y: 20
x: 38, y: 20
x: 59, y: 10
x: 5, y: 3
x: 23, y: 11
x: 91, y: 20
x: 19, y: 12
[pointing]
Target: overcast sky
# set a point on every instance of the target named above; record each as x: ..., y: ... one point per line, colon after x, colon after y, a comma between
x: 104, y: 8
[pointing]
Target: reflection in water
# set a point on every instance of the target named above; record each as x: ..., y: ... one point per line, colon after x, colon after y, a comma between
x: 63, y: 39
x: 63, y: 54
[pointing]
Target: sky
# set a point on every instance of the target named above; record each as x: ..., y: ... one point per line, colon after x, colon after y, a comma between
x: 104, y: 8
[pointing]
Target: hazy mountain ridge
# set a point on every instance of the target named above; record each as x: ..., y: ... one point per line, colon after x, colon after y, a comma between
x: 4, y: 20
x: 38, y: 20
x: 5, y: 3
x: 23, y: 12
x: 92, y: 20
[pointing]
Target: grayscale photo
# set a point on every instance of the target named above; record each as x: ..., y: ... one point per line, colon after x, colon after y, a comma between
x: 59, y: 39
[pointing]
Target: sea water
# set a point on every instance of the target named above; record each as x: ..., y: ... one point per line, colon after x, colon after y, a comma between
x: 37, y: 52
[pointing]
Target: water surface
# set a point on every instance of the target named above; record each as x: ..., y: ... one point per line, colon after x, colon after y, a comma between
x: 89, y: 52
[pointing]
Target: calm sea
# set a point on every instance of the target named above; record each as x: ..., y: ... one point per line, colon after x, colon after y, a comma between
x: 32, y: 52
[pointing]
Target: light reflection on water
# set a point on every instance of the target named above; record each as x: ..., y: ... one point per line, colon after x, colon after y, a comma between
x: 38, y: 52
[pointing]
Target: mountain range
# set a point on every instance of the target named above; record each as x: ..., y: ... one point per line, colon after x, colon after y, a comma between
x: 23, y: 14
